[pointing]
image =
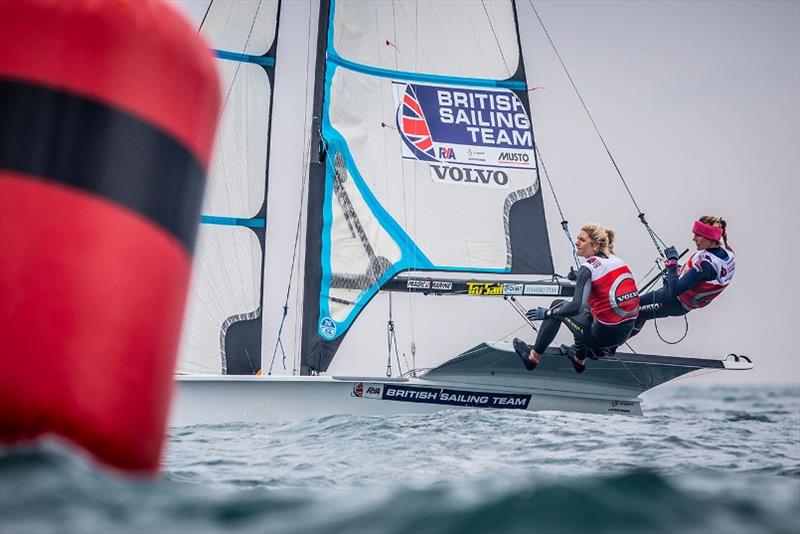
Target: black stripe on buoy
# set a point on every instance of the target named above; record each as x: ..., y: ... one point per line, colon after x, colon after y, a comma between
x: 69, y: 139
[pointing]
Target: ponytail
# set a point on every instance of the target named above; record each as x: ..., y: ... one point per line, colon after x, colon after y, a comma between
x: 601, y: 237
x: 610, y: 233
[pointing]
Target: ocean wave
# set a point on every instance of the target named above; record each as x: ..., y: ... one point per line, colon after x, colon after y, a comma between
x: 51, y: 489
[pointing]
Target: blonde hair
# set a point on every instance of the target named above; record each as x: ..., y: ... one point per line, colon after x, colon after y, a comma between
x: 713, y: 220
x: 602, y: 238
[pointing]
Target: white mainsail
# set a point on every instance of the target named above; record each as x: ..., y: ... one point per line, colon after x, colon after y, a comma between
x: 429, y: 161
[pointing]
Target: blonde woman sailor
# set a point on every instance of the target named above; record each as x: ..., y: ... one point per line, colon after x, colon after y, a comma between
x: 602, y: 311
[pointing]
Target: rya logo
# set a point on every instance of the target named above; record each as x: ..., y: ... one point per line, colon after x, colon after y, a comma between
x: 445, y: 152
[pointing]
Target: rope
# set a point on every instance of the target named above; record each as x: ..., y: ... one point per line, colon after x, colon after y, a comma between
x: 647, y: 368
x: 564, y: 222
x: 685, y: 331
x: 496, y: 40
x: 238, y: 63
x: 645, y: 275
x: 278, y: 342
x: 391, y: 339
x: 501, y: 338
x: 653, y: 236
x: 208, y: 8
x: 521, y: 311
x: 403, y: 180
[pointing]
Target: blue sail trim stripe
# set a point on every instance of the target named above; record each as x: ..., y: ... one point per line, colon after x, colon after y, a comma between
x: 244, y: 58
x: 232, y: 221
x: 421, y: 77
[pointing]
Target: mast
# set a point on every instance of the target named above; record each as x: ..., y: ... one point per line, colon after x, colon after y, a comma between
x: 313, y: 353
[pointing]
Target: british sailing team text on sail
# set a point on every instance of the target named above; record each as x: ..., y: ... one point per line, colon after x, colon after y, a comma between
x: 490, y: 118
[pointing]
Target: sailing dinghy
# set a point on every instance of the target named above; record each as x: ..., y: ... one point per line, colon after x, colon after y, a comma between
x: 420, y: 176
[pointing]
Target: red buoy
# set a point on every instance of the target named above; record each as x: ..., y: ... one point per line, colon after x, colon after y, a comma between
x: 107, y: 118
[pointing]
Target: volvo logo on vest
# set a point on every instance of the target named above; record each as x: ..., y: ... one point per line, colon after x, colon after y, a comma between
x: 458, y: 174
x: 623, y: 290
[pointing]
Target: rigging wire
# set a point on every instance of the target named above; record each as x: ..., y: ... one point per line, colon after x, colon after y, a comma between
x: 403, y: 180
x: 238, y: 63
x: 203, y: 21
x: 644, y: 364
x: 564, y: 221
x: 657, y: 241
x: 391, y: 338
x: 537, y: 153
x: 501, y: 338
x: 496, y: 40
x: 656, y: 265
x: 522, y: 313
x: 654, y: 237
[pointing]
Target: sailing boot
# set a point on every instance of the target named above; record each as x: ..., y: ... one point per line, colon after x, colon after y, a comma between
x: 605, y: 352
x: 524, y: 352
x: 572, y: 356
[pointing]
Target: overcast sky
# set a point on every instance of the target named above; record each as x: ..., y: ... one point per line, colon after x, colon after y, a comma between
x: 700, y: 105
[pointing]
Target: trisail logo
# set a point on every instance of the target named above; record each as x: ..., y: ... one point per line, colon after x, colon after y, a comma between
x: 468, y: 136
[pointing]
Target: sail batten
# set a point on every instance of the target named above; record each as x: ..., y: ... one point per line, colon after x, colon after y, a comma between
x: 232, y: 221
x: 245, y: 58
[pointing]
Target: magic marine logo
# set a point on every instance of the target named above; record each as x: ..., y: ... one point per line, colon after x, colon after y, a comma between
x: 468, y: 136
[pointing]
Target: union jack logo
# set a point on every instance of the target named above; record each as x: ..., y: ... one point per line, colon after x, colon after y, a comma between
x: 413, y: 127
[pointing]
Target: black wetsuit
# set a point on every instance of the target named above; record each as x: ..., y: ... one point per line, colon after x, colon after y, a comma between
x: 664, y: 302
x: 591, y: 336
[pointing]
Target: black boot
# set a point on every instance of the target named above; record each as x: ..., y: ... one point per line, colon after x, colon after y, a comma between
x: 524, y: 352
x: 571, y: 354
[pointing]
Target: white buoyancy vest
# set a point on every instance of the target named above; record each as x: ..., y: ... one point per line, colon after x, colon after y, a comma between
x: 703, y: 293
x: 614, y: 297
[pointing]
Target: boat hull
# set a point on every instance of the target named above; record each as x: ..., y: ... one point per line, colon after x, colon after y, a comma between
x: 488, y: 376
x: 225, y: 399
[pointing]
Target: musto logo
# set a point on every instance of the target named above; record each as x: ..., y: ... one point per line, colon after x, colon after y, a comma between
x: 468, y: 136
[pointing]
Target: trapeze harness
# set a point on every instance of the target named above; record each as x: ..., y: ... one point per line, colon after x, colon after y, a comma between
x: 602, y: 311
x: 703, y: 278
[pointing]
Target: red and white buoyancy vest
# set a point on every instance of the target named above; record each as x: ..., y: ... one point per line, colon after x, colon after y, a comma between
x: 614, y: 297
x: 703, y: 293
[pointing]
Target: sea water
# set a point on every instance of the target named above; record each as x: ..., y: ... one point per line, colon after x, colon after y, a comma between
x: 705, y: 459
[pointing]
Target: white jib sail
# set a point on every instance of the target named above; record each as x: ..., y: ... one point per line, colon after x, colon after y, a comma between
x: 226, y: 280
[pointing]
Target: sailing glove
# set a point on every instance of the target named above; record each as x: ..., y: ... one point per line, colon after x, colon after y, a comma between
x: 538, y: 314
x: 672, y: 256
